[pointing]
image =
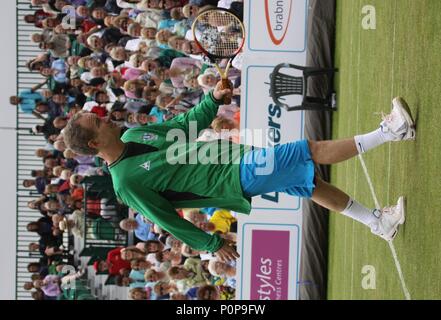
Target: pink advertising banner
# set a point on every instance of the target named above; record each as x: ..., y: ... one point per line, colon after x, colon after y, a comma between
x: 269, y: 265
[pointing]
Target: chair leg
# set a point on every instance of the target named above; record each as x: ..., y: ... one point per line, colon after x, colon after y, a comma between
x: 315, y: 100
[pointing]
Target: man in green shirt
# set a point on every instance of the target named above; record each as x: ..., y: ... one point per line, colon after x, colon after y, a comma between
x: 154, y: 170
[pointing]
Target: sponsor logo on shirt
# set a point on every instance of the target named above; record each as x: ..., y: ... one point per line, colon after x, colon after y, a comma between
x: 146, y: 165
x: 149, y: 136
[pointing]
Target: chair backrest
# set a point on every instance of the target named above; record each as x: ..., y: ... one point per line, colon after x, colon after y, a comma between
x: 282, y: 84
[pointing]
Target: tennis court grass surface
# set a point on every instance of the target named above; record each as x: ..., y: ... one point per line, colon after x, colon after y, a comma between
x: 401, y: 57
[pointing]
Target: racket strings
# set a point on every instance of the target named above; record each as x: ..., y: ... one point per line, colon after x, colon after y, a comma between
x: 219, y: 33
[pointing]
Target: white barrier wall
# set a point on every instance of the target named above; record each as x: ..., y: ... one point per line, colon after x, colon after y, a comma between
x: 269, y: 239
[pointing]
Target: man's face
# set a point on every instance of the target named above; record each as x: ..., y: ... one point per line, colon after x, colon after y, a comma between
x: 92, y: 63
x: 180, y: 44
x: 72, y: 60
x: 176, y: 245
x: 46, y: 93
x: 60, y: 123
x: 46, y: 72
x: 182, y: 274
x: 32, y: 205
x: 14, y: 100
x: 207, y: 226
x: 177, y: 13
x: 149, y: 65
x: 99, y: 13
x: 59, y: 99
x: 179, y: 296
x: 28, y: 183
x: 121, y: 54
x: 103, y: 266
x: 163, y: 35
x: 149, y: 33
x: 193, y: 11
x: 39, y: 173
x: 97, y: 43
x: 168, y: 4
x: 38, y: 2
x: 204, y: 265
x: 36, y: 37
x: 126, y: 281
x: 131, y: 118
x: 78, y: 179
x: 127, y: 255
x: 210, y: 80
x: 194, y: 49
x: 131, y: 224
x: 82, y: 11
x: 155, y: 4
x: 139, y: 295
x: 220, y: 267
x: 210, y: 293
x: 136, y: 29
x: 98, y: 72
x: 51, y: 23
x: 42, y: 108
x: 152, y: 247
x: 193, y: 83
x: 52, y: 205
x: 142, y: 118
x: 50, y: 163
x: 162, y: 289
x: 102, y: 97
x: 153, y: 277
x: 38, y: 284
x: 106, y: 132
x: 59, y: 4
x: 33, y: 268
x: 76, y: 82
x: 52, y: 188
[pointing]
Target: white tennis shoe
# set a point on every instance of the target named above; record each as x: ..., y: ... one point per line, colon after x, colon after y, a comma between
x: 398, y: 125
x: 390, y: 219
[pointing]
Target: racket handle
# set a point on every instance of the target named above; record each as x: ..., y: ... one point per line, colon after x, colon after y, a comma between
x: 226, y: 85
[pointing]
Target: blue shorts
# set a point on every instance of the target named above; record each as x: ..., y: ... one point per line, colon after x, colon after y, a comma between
x: 284, y: 168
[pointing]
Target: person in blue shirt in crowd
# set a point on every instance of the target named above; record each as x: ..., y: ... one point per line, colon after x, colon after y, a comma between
x: 27, y: 100
x: 141, y: 227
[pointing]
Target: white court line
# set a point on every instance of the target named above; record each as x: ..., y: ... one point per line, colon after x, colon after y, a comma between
x: 391, y: 246
x: 389, y: 147
x: 356, y: 129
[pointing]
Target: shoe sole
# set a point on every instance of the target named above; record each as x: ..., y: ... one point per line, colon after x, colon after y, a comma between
x: 404, y: 110
x: 401, y: 202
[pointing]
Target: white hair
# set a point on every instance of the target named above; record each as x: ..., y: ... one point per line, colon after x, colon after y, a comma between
x: 65, y: 173
x: 212, y: 267
x: 123, y: 221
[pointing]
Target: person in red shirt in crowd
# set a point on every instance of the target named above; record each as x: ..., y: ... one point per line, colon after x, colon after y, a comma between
x: 37, y: 18
x: 114, y: 265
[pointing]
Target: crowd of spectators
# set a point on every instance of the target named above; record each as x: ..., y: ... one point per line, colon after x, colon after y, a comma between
x: 135, y: 62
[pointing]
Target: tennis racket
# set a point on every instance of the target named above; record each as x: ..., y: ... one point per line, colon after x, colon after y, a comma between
x: 220, y: 35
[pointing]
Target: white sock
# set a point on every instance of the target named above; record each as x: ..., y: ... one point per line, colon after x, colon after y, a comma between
x: 370, y: 140
x: 361, y: 214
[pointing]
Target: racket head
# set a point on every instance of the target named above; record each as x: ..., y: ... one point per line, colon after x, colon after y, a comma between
x: 218, y: 33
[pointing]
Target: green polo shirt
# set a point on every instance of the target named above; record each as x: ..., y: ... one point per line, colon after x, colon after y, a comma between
x: 172, y: 174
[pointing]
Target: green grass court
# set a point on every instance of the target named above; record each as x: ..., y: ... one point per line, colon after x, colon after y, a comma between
x: 402, y: 57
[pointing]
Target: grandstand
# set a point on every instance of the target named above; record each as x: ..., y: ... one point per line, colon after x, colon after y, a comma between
x: 67, y: 212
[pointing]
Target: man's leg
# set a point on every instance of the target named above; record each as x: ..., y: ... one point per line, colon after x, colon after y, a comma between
x: 383, y: 223
x: 397, y: 126
x: 336, y: 200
